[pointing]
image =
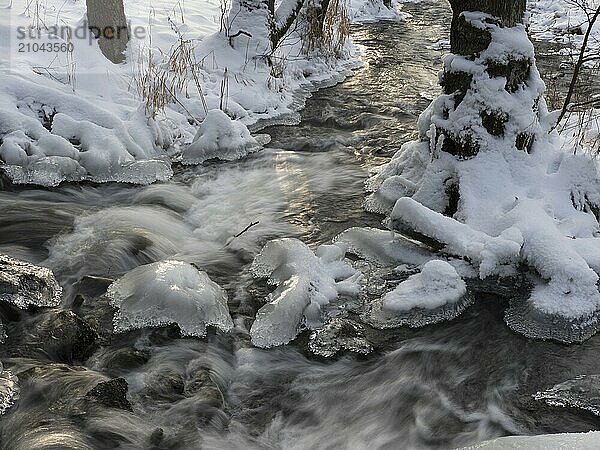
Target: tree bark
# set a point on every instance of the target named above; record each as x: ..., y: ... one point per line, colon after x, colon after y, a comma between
x: 107, y: 21
x: 465, y: 40
x: 470, y: 41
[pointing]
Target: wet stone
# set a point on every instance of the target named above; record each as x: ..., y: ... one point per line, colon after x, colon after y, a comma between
x: 201, y: 386
x: 339, y: 335
x: 582, y: 392
x: 111, y: 393
x: 24, y: 284
x: 125, y: 359
x: 60, y: 335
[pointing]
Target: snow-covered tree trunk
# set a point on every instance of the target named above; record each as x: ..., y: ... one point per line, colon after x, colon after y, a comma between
x: 487, y: 181
x: 470, y: 39
x: 106, y: 19
x: 248, y: 27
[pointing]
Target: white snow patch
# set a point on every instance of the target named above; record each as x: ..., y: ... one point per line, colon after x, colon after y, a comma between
x: 581, y: 441
x: 436, y: 285
x: 368, y: 11
x: 221, y: 137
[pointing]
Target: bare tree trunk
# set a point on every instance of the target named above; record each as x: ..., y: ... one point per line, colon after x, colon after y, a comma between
x: 107, y: 21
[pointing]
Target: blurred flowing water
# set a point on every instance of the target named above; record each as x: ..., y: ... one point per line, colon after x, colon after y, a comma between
x: 438, y: 387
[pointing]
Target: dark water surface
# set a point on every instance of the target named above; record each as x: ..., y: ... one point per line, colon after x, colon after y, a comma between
x: 438, y: 387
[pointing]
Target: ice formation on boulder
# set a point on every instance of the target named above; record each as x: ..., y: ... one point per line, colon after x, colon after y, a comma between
x: 520, y: 198
x: 220, y: 137
x: 307, y: 283
x: 49, y: 136
x: 169, y: 292
x: 24, y: 284
x: 9, y: 389
x: 582, y: 392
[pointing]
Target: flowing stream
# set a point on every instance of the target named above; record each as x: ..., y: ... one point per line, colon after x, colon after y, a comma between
x: 442, y: 386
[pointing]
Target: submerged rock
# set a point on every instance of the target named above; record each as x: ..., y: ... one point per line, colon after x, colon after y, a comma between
x: 61, y: 335
x: 168, y: 292
x: 582, y: 392
x: 110, y: 393
x: 24, y: 284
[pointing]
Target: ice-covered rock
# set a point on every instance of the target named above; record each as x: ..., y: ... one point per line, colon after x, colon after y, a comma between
x: 24, y: 284
x: 169, y: 292
x: 9, y: 389
x: 307, y: 283
x: 435, y: 294
x: 582, y: 392
x: 339, y: 335
x: 220, y: 137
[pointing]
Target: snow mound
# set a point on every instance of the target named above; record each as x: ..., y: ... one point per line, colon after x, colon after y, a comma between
x: 9, y: 389
x: 307, y: 283
x: 582, y: 392
x: 24, y: 284
x: 168, y: 292
x: 435, y: 294
x: 49, y: 136
x: 220, y: 137
x: 436, y: 285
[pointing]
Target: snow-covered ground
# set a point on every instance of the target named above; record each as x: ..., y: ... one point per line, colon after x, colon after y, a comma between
x: 562, y: 21
x: 68, y: 113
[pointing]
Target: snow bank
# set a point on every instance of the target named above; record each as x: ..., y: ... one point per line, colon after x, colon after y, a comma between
x: 219, y: 137
x: 436, y: 285
x: 561, y: 21
x: 169, y: 292
x: 74, y: 115
x: 519, y: 203
x: 307, y: 283
x: 581, y: 441
x: 50, y: 135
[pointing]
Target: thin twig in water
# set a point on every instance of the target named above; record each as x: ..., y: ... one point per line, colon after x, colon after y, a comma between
x: 252, y: 224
